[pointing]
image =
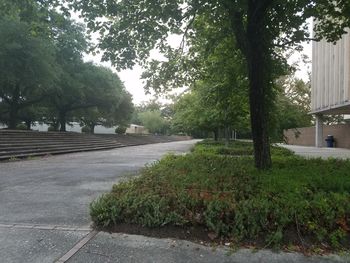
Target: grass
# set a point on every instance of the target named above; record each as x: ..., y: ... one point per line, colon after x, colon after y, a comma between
x: 298, y: 203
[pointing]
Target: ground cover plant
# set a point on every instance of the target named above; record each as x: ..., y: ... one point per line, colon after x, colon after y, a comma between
x: 300, y: 204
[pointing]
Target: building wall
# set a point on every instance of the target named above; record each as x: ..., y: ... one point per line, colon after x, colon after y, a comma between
x: 136, y: 129
x: 306, y: 136
x: 330, y: 83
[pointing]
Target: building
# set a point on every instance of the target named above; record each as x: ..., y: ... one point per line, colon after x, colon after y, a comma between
x: 136, y: 129
x: 330, y: 83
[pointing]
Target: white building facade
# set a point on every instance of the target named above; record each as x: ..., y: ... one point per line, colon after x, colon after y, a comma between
x: 330, y: 83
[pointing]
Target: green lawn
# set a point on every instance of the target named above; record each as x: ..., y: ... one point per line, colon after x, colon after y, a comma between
x: 298, y: 202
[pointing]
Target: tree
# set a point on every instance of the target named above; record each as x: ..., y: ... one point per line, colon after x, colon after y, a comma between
x: 87, y: 86
x: 118, y: 113
x: 293, y: 104
x: 27, y: 69
x: 192, y: 115
x: 258, y: 26
x: 208, y: 108
x: 153, y: 121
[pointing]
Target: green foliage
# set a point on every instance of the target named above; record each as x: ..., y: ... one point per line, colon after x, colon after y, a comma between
x: 21, y: 126
x: 42, y: 73
x: 120, y: 129
x: 235, y: 148
x: 153, y: 121
x: 209, y: 107
x: 227, y: 195
x: 85, y: 129
x: 260, y: 31
x: 27, y: 69
x: 292, y: 106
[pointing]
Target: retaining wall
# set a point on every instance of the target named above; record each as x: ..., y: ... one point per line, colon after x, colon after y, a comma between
x: 306, y: 136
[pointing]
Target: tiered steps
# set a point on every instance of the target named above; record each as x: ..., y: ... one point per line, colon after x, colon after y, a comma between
x: 131, y: 140
x: 22, y: 144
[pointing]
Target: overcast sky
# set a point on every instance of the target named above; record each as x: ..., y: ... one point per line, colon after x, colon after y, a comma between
x: 134, y: 84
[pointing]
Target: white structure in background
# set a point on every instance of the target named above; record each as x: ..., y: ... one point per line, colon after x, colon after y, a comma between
x: 136, y: 129
x: 330, y: 83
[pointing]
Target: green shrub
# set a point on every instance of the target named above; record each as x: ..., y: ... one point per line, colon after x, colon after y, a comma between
x: 51, y: 129
x: 120, y: 129
x: 228, y: 196
x: 236, y: 148
x: 21, y: 126
x: 85, y: 129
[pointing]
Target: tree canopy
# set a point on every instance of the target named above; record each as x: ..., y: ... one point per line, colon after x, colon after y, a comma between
x: 42, y: 73
x: 259, y: 28
x: 28, y: 69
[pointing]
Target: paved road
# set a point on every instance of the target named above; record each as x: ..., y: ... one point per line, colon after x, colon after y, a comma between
x: 44, y: 213
x: 315, y: 152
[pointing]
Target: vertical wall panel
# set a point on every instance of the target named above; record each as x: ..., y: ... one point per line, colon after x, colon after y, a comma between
x: 347, y: 67
x: 330, y: 80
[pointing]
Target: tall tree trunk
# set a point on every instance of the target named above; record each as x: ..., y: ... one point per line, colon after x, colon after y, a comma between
x: 253, y: 39
x: 62, y: 120
x: 227, y: 136
x: 56, y: 125
x: 216, y: 134
x: 259, y: 90
x: 13, y: 121
x: 92, y: 128
x: 28, y: 124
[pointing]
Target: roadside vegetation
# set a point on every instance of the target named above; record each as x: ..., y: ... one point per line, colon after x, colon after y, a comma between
x: 299, y: 204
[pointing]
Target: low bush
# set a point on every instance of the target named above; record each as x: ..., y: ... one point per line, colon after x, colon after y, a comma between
x: 21, y: 126
x: 235, y: 148
x: 85, y: 129
x: 299, y: 201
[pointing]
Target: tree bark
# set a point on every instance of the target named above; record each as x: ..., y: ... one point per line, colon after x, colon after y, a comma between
x: 253, y: 39
x: 216, y: 135
x: 28, y: 124
x: 258, y: 58
x: 227, y: 136
x: 92, y: 128
x: 13, y: 121
x: 62, y: 120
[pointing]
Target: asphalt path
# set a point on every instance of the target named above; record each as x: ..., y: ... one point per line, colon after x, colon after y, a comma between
x: 44, y: 215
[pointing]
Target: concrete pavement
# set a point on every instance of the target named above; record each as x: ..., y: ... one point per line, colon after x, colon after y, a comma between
x: 315, y: 152
x: 44, y: 213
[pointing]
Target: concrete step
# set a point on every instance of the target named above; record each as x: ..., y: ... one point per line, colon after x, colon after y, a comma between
x: 21, y: 144
x: 35, y: 148
x: 26, y: 155
x: 15, y: 141
x: 24, y: 145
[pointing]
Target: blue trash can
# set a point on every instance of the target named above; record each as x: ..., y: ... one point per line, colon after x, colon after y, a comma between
x: 330, y: 141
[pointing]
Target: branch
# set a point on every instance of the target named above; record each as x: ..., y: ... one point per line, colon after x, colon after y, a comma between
x: 291, y: 42
x: 236, y: 18
x: 27, y: 103
x: 240, y: 32
x: 182, y: 44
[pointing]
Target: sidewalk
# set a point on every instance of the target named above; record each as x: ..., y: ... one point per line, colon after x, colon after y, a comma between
x: 44, y: 214
x: 315, y: 152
